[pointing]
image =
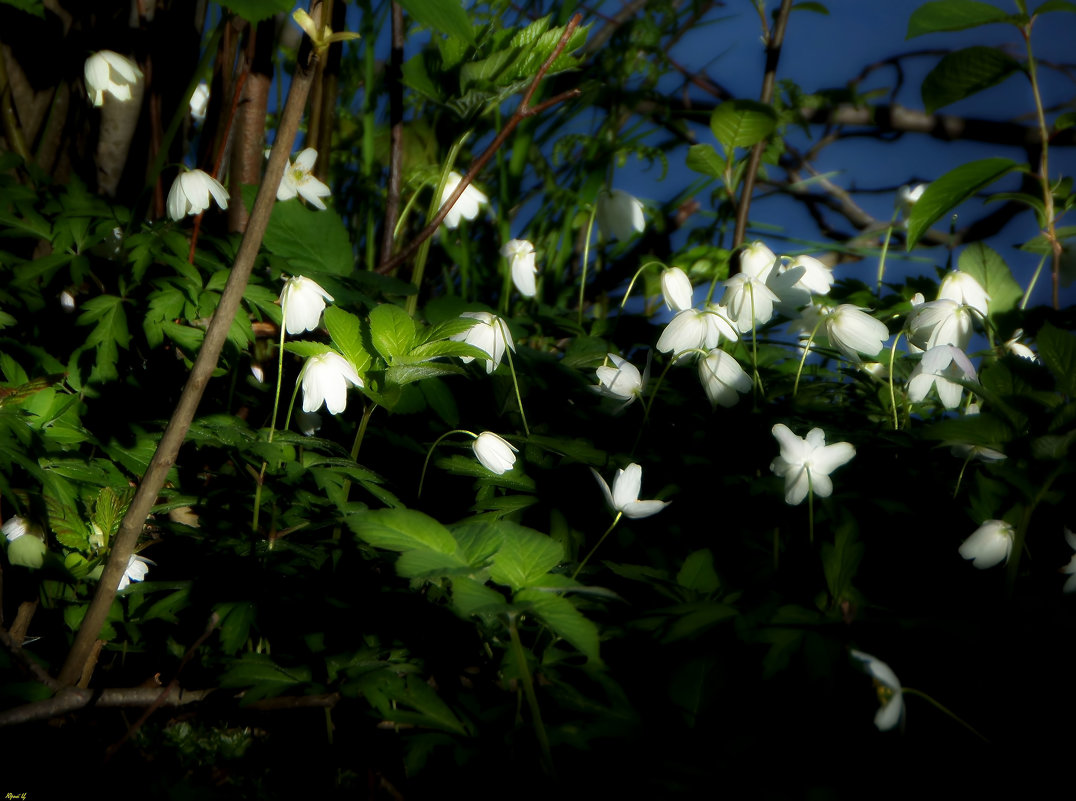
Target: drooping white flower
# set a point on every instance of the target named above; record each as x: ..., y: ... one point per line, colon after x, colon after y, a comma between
x: 309, y: 423
x: 622, y: 381
x: 805, y: 463
x: 200, y: 102
x: 990, y: 545
x: 302, y: 301
x: 619, y: 215
x: 1018, y: 348
x: 325, y: 379
x: 17, y: 526
x: 468, y: 205
x: 137, y: 568
x: 723, y: 378
x: 964, y: 289
x: 192, y: 192
x: 749, y: 301
x: 941, y: 367
x: 494, y: 452
x: 907, y: 197
x: 677, y: 290
x: 490, y: 334
x: 624, y: 497
x: 940, y: 322
x: 817, y: 277
x: 106, y: 71
x: 521, y: 256
x: 889, y: 691
x: 690, y: 329
x: 757, y: 261
x: 1070, y: 568
x: 852, y: 331
x: 298, y: 180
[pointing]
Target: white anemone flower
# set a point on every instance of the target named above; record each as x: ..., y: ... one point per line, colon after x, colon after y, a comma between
x: 1070, y: 568
x: 106, y: 71
x: 889, y: 691
x: 817, y: 277
x: 852, y: 331
x: 907, y: 197
x: 694, y: 329
x: 805, y: 463
x: 940, y: 322
x: 964, y: 289
x: 325, y: 380
x: 468, y: 205
x: 495, y: 453
x: 200, y: 102
x: 757, y: 261
x: 192, y: 193
x: 619, y: 215
x: 1018, y: 348
x: 676, y: 289
x: 302, y: 302
x: 990, y: 545
x: 723, y: 378
x: 137, y: 568
x: 521, y: 257
x: 941, y: 367
x: 622, y: 381
x: 298, y: 180
x: 490, y: 334
x: 749, y: 301
x: 624, y: 496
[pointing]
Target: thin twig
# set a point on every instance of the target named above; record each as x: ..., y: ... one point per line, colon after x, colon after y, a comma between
x: 522, y: 112
x: 394, y: 80
x: 205, y: 364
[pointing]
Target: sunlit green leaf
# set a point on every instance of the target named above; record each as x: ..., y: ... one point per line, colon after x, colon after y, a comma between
x: 963, y: 73
x: 952, y: 189
x: 953, y: 15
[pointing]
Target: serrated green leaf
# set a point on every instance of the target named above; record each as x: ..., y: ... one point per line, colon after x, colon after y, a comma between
x: 471, y: 597
x: 346, y: 331
x: 442, y: 348
x: 704, y: 159
x: 563, y: 618
x: 742, y: 123
x: 428, y: 564
x: 697, y: 572
x: 524, y: 557
x: 1055, y: 5
x: 309, y: 239
x: 236, y: 619
x: 993, y: 274
x: 407, y: 374
x: 305, y: 349
x: 1057, y: 349
x: 392, y: 331
x: 963, y: 73
x: 443, y: 16
x: 952, y: 189
x: 953, y: 15
x: 477, y: 542
x: 402, y: 530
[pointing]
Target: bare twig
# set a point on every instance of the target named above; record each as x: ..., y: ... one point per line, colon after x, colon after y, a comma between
x: 523, y: 111
x: 168, y: 449
x: 71, y: 698
x: 394, y: 81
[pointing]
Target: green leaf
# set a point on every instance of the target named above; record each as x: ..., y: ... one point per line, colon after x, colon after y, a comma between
x: 402, y: 530
x: 236, y: 618
x: 704, y: 159
x: 257, y: 10
x: 392, y: 331
x: 563, y: 618
x: 1055, y: 5
x: 304, y: 349
x: 698, y: 572
x: 817, y: 8
x: 35, y: 7
x: 742, y: 123
x: 346, y: 330
x: 443, y: 16
x: 471, y: 597
x: 309, y: 239
x: 429, y: 564
x: 263, y: 675
x: 1057, y: 349
x: 524, y: 557
x: 442, y: 348
x: 963, y: 73
x: 951, y: 190
x: 993, y: 274
x: 109, y: 333
x: 478, y: 542
x: 407, y: 374
x: 953, y: 15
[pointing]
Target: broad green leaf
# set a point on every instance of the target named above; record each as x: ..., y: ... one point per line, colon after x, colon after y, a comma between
x: 963, y: 73
x: 524, y: 557
x: 698, y: 572
x: 431, y: 711
x: 304, y: 349
x: 308, y: 239
x: 471, y: 597
x: 265, y: 678
x: 236, y: 618
x: 478, y: 542
x: 704, y: 159
x: 35, y: 7
x: 346, y: 330
x: 742, y: 123
x: 441, y: 348
x: 109, y: 333
x: 1057, y: 349
x: 402, y: 530
x: 951, y: 190
x: 257, y: 10
x: 984, y: 430
x: 428, y: 564
x: 407, y: 374
x: 840, y: 561
x: 1055, y: 5
x: 392, y: 331
x: 993, y: 274
x: 443, y: 16
x: 953, y: 15
x: 563, y: 618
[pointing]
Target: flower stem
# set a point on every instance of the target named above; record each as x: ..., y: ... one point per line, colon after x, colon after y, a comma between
x: 429, y: 453
x: 885, y: 250
x: 803, y: 358
x: 810, y: 507
x: 528, y: 692
x: 1032, y: 282
x: 272, y: 427
x: 515, y: 385
x: 597, y: 545
x: 944, y: 710
x: 892, y: 390
x: 586, y: 259
x: 634, y: 278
